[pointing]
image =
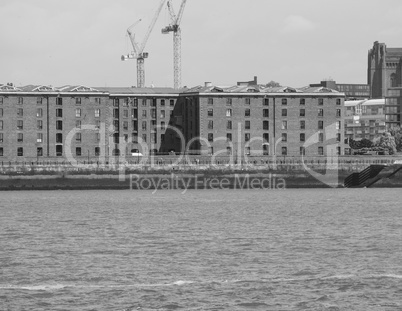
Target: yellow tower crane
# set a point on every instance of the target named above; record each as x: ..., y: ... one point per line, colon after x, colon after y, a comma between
x: 174, y: 27
x: 138, y: 49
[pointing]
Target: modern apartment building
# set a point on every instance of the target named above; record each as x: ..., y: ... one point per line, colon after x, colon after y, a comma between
x: 364, y: 119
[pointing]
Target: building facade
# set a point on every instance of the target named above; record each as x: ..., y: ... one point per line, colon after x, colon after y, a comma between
x: 364, y: 119
x: 82, y: 123
x: 251, y: 120
x: 352, y: 91
x: 384, y: 75
x: 78, y: 123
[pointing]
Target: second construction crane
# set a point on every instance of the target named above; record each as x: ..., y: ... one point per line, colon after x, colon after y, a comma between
x: 138, y: 50
x: 174, y: 27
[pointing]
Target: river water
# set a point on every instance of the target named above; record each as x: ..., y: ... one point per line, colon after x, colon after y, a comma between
x: 295, y: 249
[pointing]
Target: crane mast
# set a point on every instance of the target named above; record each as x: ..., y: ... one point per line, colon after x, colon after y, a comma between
x: 138, y: 50
x: 175, y: 28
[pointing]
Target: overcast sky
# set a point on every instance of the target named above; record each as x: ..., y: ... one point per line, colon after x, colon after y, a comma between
x: 294, y: 42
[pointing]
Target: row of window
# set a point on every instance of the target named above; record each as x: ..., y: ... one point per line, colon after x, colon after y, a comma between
x: 265, y: 101
x: 116, y: 152
x: 125, y: 101
x: 265, y: 124
x: 284, y: 137
x: 134, y: 113
x: 144, y: 102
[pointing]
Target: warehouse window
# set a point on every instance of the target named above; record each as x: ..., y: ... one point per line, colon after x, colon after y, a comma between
x: 1, y: 137
x: 20, y: 137
x: 247, y: 112
x: 210, y: 137
x: 284, y: 150
x: 39, y: 124
x: 284, y: 137
x: 284, y: 101
x: 20, y: 112
x: 1, y: 151
x: 39, y: 112
x: 78, y: 112
x: 320, y: 101
x: 320, y: 137
x: 39, y: 138
x: 265, y: 125
x: 39, y: 151
x: 59, y: 125
x: 320, y: 112
x: 302, y: 101
x: 228, y: 137
x: 320, y: 124
x: 97, y: 151
x: 59, y: 150
x: 59, y: 138
x: 59, y: 101
x: 78, y: 151
x: 247, y: 125
x: 59, y: 113
x: 210, y: 124
x: 302, y: 124
x: 20, y: 151
x: 302, y: 137
x: 210, y: 112
x: 246, y: 136
x: 247, y: 101
x: 265, y: 113
x: 229, y: 125
x: 320, y: 150
x: 228, y: 112
x: 302, y: 112
x: 20, y: 100
x: 78, y: 100
x: 284, y: 112
x: 97, y: 113
x: 78, y: 137
x: 20, y: 124
x: 39, y: 100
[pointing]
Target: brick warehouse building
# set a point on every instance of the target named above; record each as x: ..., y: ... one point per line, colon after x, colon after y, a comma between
x: 253, y: 120
x: 98, y: 124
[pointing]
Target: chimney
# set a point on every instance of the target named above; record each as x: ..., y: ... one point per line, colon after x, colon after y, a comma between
x: 208, y: 84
